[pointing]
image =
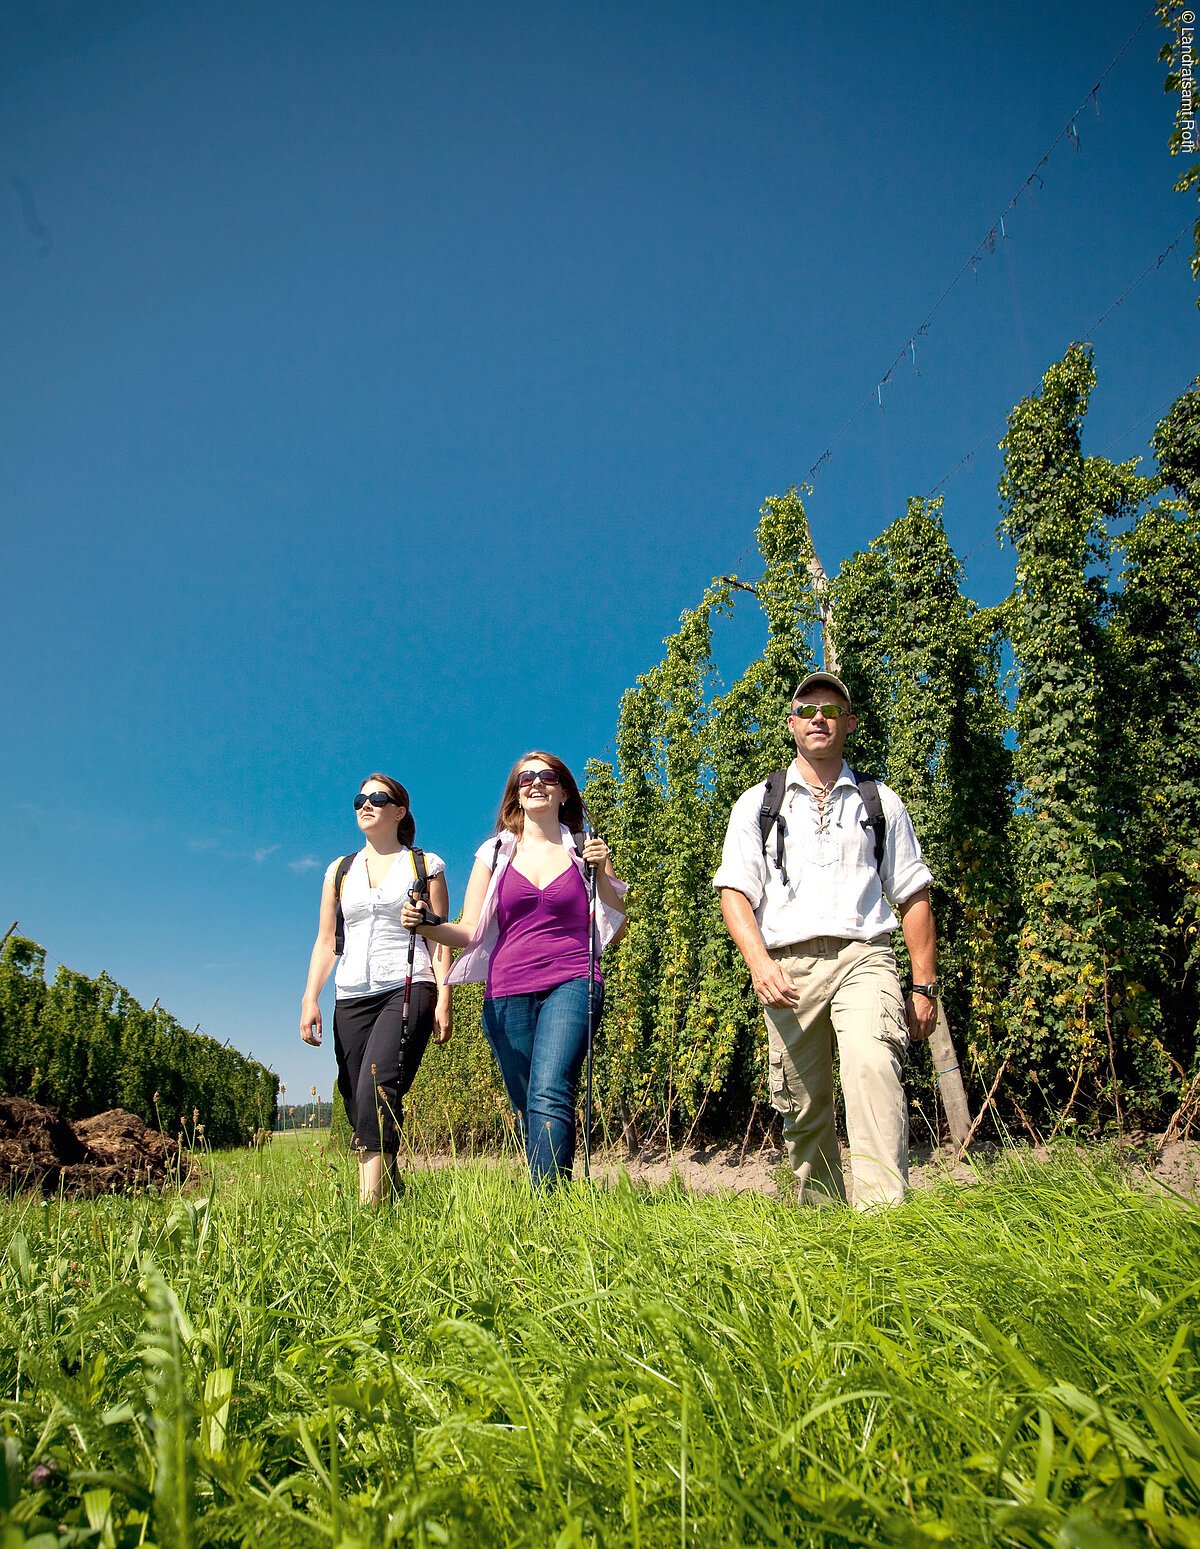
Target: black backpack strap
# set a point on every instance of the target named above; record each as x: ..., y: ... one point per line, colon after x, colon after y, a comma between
x: 496, y: 850
x: 339, y: 882
x: 868, y: 789
x: 420, y: 872
x: 770, y: 816
x: 578, y: 840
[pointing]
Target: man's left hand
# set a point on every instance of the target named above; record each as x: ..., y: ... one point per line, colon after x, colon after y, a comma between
x: 921, y: 1014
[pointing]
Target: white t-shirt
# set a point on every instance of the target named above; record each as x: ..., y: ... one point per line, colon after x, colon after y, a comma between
x: 376, y: 951
x: 834, y: 887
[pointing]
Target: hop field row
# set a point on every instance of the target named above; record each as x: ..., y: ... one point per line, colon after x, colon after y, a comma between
x: 1013, y: 1363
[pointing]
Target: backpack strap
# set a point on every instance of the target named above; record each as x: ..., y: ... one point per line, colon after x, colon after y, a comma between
x: 339, y: 882
x: 578, y: 841
x: 496, y: 850
x: 770, y: 815
x: 868, y: 789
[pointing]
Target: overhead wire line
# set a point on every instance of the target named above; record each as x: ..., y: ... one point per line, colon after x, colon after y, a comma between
x: 984, y: 248
x: 1157, y: 415
x: 987, y: 245
x: 1154, y: 265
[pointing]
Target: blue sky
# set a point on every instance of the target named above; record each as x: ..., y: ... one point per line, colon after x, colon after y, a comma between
x: 383, y: 380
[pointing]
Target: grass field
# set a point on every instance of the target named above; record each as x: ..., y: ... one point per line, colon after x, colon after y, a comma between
x: 263, y: 1362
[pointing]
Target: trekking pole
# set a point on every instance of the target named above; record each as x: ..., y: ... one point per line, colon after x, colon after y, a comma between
x: 591, y: 987
x: 415, y: 895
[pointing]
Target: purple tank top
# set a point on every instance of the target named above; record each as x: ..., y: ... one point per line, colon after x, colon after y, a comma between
x: 543, y: 938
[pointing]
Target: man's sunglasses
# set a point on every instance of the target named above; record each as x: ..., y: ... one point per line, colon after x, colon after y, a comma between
x: 830, y: 712
x: 376, y: 798
x: 527, y: 776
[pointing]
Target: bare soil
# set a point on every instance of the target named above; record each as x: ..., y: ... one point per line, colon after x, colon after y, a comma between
x: 1173, y: 1168
x: 112, y: 1152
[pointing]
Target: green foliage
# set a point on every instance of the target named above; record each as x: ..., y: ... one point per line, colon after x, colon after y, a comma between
x: 1177, y: 448
x: 1059, y: 807
x: 165, y: 1335
x: 1011, y: 1363
x: 1058, y: 507
x: 922, y: 663
x: 1154, y: 759
x: 681, y: 1027
x: 458, y: 1099
x: 86, y: 1045
x: 341, y: 1136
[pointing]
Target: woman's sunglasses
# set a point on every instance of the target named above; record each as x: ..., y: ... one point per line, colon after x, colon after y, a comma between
x: 547, y: 776
x: 376, y: 798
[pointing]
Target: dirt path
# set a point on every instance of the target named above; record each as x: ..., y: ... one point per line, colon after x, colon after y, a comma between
x: 707, y: 1169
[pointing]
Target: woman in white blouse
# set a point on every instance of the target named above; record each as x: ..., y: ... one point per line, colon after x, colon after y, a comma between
x: 378, y: 1050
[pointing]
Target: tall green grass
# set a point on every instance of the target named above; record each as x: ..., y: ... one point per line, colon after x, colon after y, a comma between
x: 1014, y: 1363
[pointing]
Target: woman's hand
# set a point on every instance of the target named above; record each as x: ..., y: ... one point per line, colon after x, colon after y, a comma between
x: 595, y: 852
x: 443, y: 1016
x: 598, y: 856
x: 310, y: 1022
x: 412, y: 916
x: 320, y: 966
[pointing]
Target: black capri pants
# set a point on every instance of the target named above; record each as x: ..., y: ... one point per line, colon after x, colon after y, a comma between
x: 376, y: 1064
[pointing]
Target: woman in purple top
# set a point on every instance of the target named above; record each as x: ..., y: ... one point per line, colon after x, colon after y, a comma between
x: 525, y: 927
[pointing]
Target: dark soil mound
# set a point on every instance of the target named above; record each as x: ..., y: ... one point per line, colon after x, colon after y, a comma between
x: 113, y: 1151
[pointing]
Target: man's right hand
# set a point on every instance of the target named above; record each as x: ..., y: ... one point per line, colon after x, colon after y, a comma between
x: 771, y: 984
x: 774, y: 986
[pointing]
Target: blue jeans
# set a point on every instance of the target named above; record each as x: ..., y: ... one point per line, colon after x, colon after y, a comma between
x: 540, y: 1042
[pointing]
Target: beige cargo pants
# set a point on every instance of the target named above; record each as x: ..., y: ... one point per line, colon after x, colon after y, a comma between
x: 849, y: 990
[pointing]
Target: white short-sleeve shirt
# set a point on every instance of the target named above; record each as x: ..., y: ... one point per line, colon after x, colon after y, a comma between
x: 376, y: 952
x: 834, y: 887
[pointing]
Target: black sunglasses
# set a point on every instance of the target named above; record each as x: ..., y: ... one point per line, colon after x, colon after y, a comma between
x: 546, y: 776
x: 376, y: 798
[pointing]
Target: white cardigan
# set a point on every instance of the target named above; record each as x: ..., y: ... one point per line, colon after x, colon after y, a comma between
x: 472, y: 965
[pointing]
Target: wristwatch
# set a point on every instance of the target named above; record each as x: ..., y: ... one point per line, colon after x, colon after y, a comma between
x: 930, y: 990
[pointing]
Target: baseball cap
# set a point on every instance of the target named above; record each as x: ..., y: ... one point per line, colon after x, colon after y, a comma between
x: 819, y: 679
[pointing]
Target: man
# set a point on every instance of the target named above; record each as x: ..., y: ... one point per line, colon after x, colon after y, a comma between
x: 816, y: 937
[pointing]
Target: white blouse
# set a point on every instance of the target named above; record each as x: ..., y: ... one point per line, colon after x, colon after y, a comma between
x: 375, y: 957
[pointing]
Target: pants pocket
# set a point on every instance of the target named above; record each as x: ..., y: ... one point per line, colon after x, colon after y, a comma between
x: 783, y: 1099
x: 893, y: 1024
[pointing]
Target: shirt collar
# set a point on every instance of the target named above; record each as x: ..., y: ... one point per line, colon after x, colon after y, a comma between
x: 796, y: 781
